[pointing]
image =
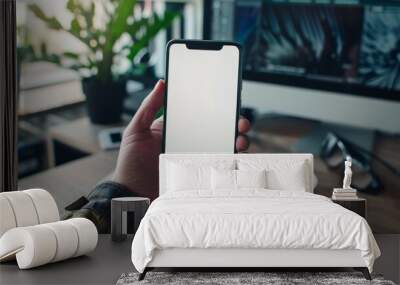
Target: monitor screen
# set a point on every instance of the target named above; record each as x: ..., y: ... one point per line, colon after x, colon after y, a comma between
x: 345, y: 46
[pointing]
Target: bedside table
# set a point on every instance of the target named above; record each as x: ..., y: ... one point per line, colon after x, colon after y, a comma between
x: 357, y: 205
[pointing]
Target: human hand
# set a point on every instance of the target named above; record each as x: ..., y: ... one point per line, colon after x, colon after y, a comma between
x: 137, y: 165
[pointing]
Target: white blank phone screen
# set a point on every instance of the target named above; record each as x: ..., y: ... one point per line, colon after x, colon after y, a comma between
x: 201, y: 100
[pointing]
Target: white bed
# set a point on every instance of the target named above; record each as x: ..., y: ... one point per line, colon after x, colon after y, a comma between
x: 283, y: 224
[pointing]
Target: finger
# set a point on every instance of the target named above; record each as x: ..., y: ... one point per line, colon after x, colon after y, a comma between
x: 148, y: 109
x: 244, y: 125
x: 242, y: 143
x: 158, y: 124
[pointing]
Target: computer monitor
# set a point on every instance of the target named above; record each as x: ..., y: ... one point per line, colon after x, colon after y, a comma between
x: 325, y: 47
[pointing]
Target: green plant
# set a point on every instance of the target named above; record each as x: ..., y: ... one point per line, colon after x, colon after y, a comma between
x: 102, y: 41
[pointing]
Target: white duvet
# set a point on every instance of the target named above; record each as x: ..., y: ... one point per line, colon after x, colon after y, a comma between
x: 250, y: 219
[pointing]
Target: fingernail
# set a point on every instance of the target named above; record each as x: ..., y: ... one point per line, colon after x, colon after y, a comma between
x: 158, y: 82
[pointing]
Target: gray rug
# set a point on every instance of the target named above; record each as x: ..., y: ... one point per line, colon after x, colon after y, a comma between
x: 269, y: 278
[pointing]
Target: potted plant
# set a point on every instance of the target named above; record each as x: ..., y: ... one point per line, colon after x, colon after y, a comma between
x: 123, y: 36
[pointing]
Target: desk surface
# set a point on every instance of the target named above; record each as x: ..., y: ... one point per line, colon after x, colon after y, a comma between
x: 102, y: 266
x: 80, y: 134
x: 72, y: 180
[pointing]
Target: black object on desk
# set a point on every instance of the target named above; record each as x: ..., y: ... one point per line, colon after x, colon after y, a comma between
x: 119, y: 209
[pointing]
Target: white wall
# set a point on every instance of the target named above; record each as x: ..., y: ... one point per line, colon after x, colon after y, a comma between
x: 326, y: 106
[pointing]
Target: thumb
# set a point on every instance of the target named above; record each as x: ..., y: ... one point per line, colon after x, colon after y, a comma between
x: 148, y: 109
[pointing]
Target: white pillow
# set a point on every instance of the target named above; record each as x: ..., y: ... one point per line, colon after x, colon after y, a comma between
x: 251, y: 178
x: 281, y: 174
x: 189, y: 175
x: 237, y: 179
x: 186, y: 177
x: 223, y: 179
x: 293, y: 179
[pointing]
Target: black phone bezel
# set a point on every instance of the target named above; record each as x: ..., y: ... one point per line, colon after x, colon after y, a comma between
x: 203, y: 45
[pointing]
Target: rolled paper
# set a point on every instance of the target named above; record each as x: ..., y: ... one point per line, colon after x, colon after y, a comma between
x: 41, y: 244
x: 7, y: 218
x: 23, y: 208
x: 87, y: 235
x: 26, y: 208
x: 46, y: 207
x: 32, y: 246
x: 67, y: 240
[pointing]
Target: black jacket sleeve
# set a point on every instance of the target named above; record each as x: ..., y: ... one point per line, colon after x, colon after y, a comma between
x: 97, y: 205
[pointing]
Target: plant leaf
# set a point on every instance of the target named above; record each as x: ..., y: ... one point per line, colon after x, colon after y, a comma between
x: 75, y: 27
x: 37, y: 11
x: 54, y: 24
x: 133, y: 29
x: 72, y: 6
x: 92, y: 8
x: 88, y: 14
x: 119, y: 23
x: 43, y: 55
x: 43, y: 49
x: 115, y: 28
x: 71, y: 55
x: 152, y: 30
x: 51, y: 22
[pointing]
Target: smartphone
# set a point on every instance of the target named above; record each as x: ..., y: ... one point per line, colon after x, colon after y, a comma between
x: 202, y: 97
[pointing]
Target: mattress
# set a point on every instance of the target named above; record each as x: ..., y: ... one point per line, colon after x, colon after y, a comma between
x: 251, y: 219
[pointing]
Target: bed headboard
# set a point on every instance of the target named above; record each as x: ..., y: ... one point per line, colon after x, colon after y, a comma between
x: 209, y: 158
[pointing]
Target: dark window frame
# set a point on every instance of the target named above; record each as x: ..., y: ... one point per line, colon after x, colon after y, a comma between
x: 8, y: 97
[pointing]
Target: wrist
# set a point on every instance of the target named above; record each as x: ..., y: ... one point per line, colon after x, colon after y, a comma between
x: 109, y: 189
x: 118, y: 179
